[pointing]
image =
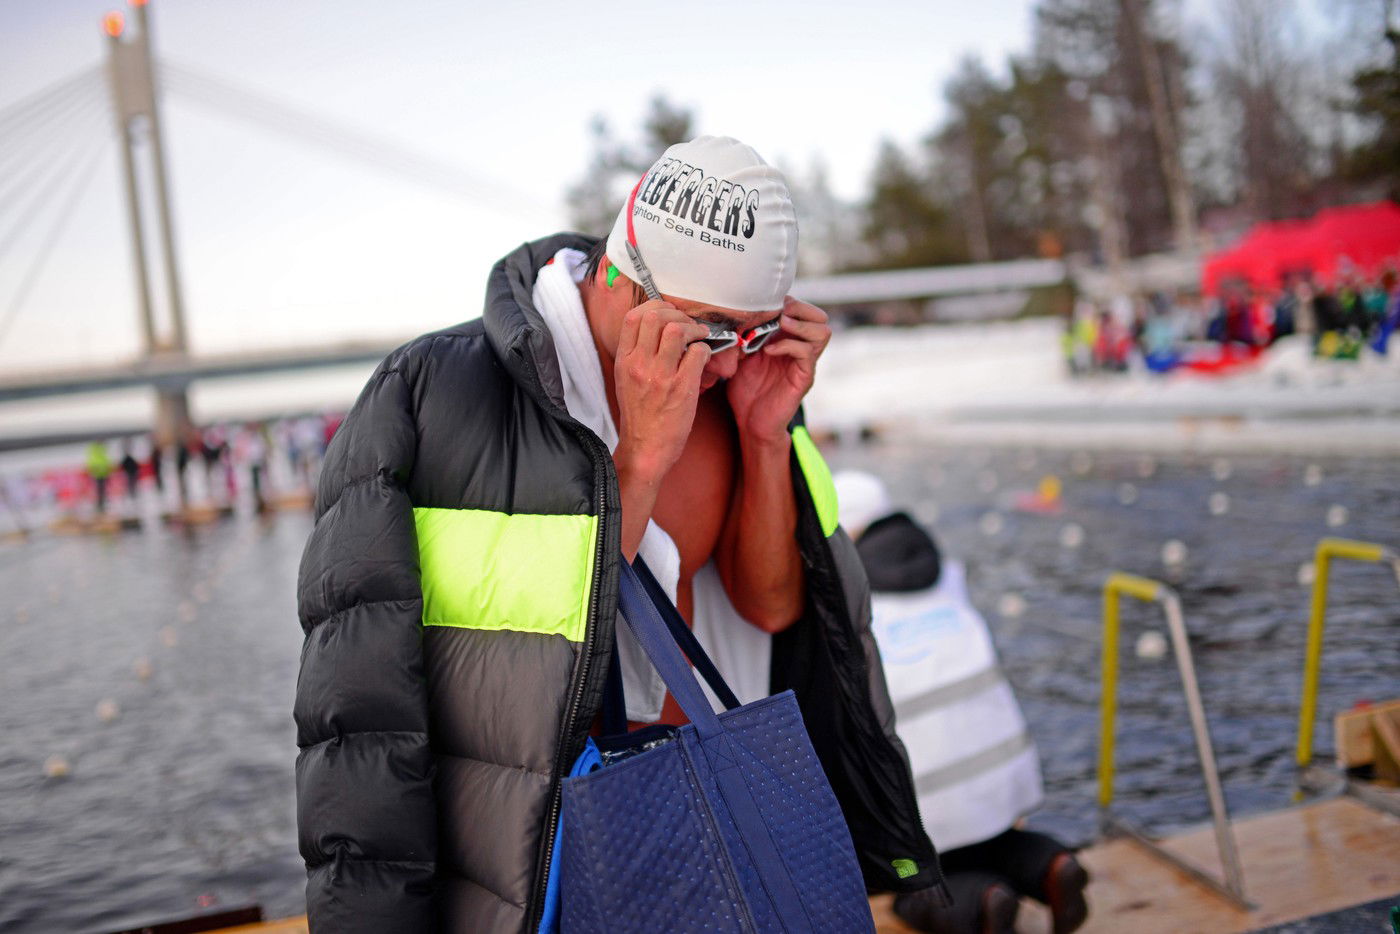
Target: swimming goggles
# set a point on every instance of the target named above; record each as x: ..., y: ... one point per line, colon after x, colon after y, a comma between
x: 720, y: 338
x: 750, y: 341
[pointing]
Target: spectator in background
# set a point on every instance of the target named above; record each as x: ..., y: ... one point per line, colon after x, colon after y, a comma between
x: 131, y: 467
x: 99, y: 468
x: 975, y: 764
x: 158, y: 464
x: 1286, y: 309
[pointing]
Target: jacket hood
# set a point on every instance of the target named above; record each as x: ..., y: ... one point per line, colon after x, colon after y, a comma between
x: 514, y: 327
x: 899, y: 555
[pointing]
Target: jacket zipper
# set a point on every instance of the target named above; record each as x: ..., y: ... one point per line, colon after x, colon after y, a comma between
x: 562, y: 759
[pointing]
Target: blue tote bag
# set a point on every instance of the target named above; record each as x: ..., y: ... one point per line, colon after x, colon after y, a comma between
x: 726, y: 824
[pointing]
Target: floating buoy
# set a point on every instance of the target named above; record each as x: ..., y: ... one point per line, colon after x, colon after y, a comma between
x: 1221, y: 469
x: 1151, y: 644
x: 1336, y: 515
x: 1072, y: 535
x: 991, y: 523
x: 1081, y: 463
x: 986, y: 481
x: 926, y: 512
x: 1307, y: 573
x: 1312, y: 476
x: 1174, y: 553
x: 169, y: 637
x: 1218, y: 504
x: 107, y: 710
x: 141, y: 668
x: 1127, y: 494
x: 56, y: 766
x: 1045, y: 500
x: 1146, y: 466
x: 1011, y: 605
x: 187, y: 611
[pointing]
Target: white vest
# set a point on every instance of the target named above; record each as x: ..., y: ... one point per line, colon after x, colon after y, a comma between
x: 975, y: 767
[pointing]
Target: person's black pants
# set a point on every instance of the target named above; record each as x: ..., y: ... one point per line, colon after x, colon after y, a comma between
x: 1020, y: 857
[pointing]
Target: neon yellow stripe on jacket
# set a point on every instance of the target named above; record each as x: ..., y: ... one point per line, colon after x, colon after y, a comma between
x: 489, y: 570
x: 818, y: 478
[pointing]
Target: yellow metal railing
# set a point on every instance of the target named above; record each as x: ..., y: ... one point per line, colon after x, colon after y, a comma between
x: 1150, y: 591
x: 1327, y: 549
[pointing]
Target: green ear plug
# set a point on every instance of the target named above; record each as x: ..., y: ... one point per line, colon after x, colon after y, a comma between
x: 613, y: 273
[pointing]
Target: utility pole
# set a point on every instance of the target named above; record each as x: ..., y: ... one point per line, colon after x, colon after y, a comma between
x: 131, y: 76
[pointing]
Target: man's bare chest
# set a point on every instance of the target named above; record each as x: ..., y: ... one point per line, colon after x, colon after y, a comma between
x: 694, y: 501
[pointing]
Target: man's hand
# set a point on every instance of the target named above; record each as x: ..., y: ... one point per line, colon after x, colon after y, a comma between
x: 769, y: 385
x: 660, y: 358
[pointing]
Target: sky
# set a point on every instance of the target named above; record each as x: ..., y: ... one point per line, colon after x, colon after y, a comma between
x: 280, y: 244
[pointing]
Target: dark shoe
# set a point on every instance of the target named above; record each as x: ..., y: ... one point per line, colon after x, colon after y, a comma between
x: 999, y: 907
x: 1065, y: 882
x: 982, y: 904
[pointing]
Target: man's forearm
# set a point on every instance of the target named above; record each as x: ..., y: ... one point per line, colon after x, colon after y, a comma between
x: 638, y: 483
x: 759, y: 563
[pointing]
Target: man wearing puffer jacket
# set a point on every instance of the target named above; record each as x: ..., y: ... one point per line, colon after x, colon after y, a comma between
x: 638, y: 395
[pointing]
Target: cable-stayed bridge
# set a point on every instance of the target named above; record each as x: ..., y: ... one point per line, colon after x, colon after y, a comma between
x: 54, y: 142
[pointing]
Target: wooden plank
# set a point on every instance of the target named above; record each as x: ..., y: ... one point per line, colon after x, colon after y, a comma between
x: 1297, y: 863
x: 284, y: 926
x: 1356, y: 732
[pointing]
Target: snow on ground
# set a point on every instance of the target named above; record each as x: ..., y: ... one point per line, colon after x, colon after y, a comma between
x: 1007, y: 383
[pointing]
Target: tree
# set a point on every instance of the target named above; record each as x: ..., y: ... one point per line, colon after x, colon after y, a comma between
x: 1257, y: 79
x: 904, y: 225
x: 1125, y: 60
x: 1378, y: 101
x: 594, y: 199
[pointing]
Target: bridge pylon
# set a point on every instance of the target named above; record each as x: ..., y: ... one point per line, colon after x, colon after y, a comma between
x: 131, y: 77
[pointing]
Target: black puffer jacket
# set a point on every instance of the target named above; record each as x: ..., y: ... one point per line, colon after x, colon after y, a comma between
x: 458, y: 595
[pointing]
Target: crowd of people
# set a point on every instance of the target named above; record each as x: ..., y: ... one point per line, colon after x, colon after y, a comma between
x: 1162, y: 332
x: 227, y: 465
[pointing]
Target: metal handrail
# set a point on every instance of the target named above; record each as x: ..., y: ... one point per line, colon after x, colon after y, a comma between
x: 1150, y: 591
x: 1327, y: 549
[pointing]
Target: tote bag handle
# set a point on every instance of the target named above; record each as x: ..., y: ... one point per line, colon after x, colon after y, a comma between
x: 644, y: 619
x: 614, y: 701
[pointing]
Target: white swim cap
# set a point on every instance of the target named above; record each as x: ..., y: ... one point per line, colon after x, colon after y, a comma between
x: 714, y: 223
x: 861, y: 499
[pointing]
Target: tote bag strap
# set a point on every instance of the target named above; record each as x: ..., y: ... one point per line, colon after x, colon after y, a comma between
x: 684, y: 636
x: 614, y: 698
x: 644, y: 619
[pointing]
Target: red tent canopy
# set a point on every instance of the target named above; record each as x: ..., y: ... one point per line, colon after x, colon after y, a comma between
x: 1364, y: 236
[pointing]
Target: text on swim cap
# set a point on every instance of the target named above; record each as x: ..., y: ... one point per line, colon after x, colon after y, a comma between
x: 686, y: 192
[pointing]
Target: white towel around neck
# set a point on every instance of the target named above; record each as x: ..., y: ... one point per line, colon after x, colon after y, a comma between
x: 741, y: 651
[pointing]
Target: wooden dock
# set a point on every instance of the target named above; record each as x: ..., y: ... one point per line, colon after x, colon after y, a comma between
x: 1298, y: 862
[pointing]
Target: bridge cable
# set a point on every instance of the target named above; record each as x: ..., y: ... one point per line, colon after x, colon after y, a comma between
x: 41, y: 197
x: 344, y: 141
x: 83, y: 126
x: 26, y: 140
x: 65, y: 214
x: 40, y: 101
